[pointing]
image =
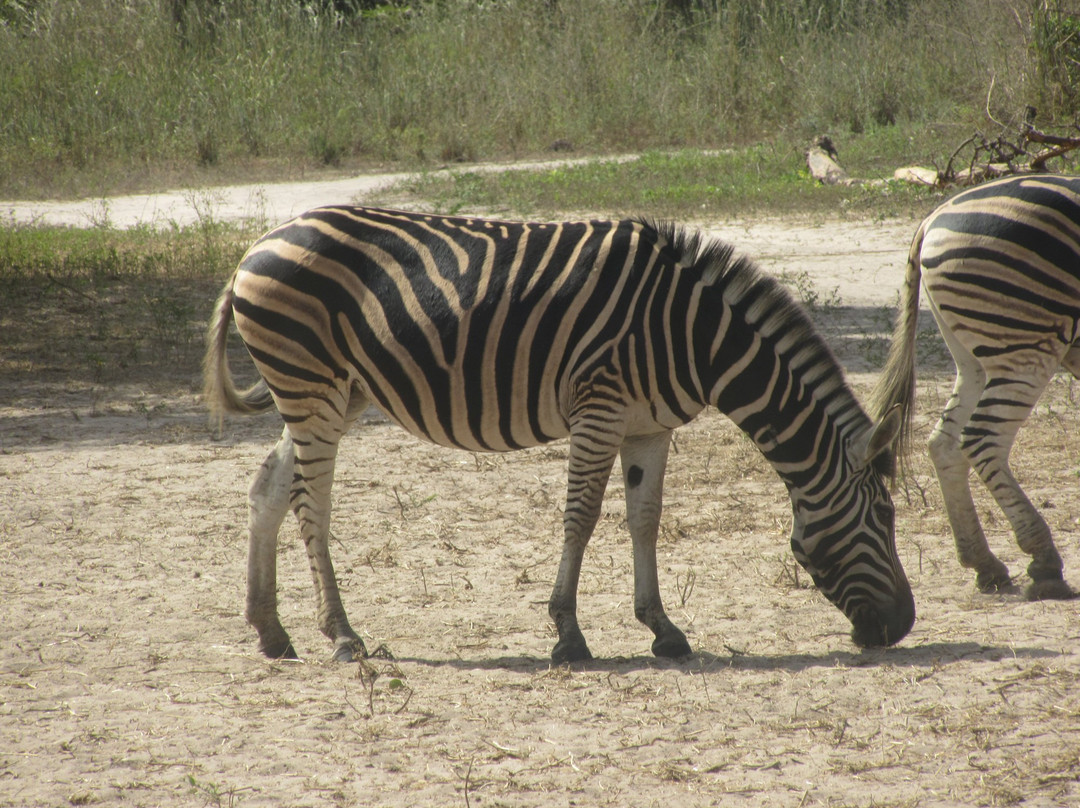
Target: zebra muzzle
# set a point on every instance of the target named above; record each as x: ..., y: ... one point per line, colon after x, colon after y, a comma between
x: 876, y: 625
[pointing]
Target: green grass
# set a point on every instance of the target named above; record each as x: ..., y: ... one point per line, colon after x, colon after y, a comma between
x: 684, y: 184
x: 84, y: 256
x: 98, y: 97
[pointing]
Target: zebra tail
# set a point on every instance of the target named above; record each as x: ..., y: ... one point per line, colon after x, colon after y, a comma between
x: 219, y: 389
x: 896, y: 384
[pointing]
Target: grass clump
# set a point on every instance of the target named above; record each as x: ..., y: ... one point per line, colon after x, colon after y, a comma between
x: 85, y: 256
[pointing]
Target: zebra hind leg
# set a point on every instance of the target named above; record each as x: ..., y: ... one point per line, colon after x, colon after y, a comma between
x: 972, y: 549
x: 953, y: 470
x: 316, y: 444
x: 268, y: 502
x: 1007, y: 404
x: 643, y: 463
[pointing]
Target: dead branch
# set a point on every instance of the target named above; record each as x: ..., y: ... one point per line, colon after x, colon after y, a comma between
x: 1059, y: 146
x: 989, y: 158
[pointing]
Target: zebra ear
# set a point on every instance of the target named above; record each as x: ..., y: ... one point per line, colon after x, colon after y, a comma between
x: 882, y: 436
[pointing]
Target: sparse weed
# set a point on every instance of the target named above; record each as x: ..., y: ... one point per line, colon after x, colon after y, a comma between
x: 213, y: 794
x: 407, y: 501
x: 685, y: 586
x: 820, y: 305
x: 395, y: 695
x: 930, y: 349
x: 877, y: 335
x: 175, y: 324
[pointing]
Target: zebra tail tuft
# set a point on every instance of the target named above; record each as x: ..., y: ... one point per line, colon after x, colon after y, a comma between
x: 896, y: 384
x: 219, y: 389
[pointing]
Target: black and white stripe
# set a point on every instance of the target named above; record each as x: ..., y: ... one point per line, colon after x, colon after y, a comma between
x: 1001, y: 267
x: 494, y: 335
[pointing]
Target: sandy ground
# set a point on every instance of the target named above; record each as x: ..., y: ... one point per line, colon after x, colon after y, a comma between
x: 129, y: 677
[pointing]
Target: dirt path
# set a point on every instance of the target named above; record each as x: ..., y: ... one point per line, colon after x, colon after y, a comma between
x: 269, y: 202
x: 129, y: 677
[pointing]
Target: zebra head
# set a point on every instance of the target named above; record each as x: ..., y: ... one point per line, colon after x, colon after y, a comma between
x: 768, y: 368
x: 846, y: 539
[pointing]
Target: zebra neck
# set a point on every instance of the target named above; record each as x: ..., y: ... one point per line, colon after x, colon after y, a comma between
x: 806, y: 455
x: 800, y: 418
x: 767, y: 368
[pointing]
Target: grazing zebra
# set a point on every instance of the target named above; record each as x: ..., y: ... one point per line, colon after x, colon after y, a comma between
x: 494, y: 336
x: 1001, y: 267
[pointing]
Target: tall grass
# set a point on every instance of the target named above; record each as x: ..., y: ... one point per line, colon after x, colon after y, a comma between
x: 102, y: 95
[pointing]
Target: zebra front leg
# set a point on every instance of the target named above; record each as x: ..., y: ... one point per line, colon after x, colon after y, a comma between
x: 268, y: 502
x: 954, y: 471
x: 644, y: 460
x: 592, y: 454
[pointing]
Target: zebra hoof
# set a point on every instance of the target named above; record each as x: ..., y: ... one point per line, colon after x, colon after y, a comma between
x: 567, y: 651
x: 1049, y: 589
x: 672, y: 646
x: 994, y: 582
x: 279, y: 650
x: 349, y: 649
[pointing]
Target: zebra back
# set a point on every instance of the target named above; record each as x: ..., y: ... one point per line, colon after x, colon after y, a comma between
x: 1005, y: 256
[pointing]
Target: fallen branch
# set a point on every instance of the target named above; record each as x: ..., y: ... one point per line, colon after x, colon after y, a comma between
x: 990, y: 158
x: 1060, y: 146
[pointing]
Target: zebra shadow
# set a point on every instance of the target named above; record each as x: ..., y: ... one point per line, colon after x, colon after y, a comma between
x: 932, y: 654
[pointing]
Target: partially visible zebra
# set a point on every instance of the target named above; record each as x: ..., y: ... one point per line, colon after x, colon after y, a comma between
x: 1001, y: 267
x: 494, y: 336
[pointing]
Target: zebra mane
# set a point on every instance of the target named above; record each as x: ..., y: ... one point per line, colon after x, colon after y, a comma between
x: 718, y: 264
x: 774, y: 311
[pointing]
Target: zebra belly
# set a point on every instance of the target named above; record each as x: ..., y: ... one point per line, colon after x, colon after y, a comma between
x: 451, y: 423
